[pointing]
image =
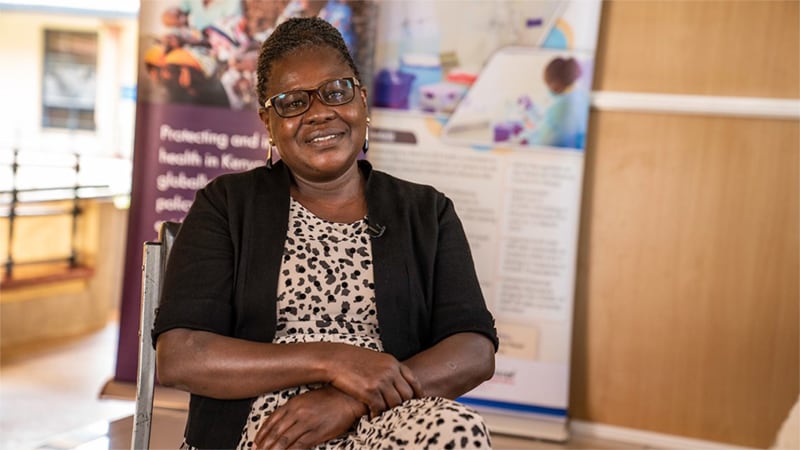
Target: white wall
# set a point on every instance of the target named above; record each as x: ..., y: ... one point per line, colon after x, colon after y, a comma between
x: 22, y: 53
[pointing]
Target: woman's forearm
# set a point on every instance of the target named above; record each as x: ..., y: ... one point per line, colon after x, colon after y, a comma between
x: 455, y: 365
x: 222, y: 367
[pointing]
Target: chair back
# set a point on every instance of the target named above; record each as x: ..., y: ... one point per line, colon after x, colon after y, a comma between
x: 154, y: 261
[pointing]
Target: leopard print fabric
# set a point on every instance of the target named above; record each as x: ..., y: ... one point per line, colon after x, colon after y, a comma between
x: 326, y: 293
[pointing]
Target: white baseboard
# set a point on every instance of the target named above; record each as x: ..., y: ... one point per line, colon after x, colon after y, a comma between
x: 647, y: 439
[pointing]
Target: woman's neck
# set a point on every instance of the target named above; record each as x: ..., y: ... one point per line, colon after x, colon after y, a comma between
x: 341, y: 200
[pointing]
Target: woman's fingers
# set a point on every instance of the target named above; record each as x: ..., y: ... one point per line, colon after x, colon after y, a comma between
x: 413, y: 382
x: 274, y: 432
x: 376, y: 379
x: 391, y: 398
x: 376, y: 403
x: 266, y: 426
x: 309, y: 419
x: 292, y: 437
x: 393, y: 391
x: 405, y: 390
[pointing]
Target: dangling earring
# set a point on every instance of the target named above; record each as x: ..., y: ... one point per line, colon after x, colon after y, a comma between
x: 365, y: 148
x: 269, y: 155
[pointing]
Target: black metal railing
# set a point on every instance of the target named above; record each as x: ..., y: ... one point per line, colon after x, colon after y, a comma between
x: 20, y: 202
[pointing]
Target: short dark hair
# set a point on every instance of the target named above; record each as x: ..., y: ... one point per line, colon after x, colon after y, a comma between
x: 564, y: 70
x: 292, y: 35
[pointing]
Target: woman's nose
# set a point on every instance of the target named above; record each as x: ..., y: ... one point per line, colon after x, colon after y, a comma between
x: 318, y: 111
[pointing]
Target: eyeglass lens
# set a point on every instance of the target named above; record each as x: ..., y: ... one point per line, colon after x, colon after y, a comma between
x: 332, y: 93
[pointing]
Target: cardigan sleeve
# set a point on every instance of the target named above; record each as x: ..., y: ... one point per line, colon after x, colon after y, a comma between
x: 458, y: 304
x: 198, y: 282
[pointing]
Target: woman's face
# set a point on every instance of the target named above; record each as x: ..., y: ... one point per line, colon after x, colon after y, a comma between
x: 322, y: 143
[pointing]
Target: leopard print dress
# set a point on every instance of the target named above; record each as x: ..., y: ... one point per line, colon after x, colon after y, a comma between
x: 326, y: 293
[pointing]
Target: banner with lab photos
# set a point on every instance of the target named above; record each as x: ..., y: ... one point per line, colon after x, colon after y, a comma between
x: 496, y: 118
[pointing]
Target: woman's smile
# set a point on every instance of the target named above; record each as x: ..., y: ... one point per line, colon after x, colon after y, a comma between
x: 325, y: 137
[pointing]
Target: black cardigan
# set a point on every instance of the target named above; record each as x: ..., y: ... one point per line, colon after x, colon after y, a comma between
x: 223, y: 271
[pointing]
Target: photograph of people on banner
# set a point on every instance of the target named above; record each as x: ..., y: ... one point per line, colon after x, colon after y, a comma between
x: 426, y: 61
x: 526, y: 96
x: 205, y: 52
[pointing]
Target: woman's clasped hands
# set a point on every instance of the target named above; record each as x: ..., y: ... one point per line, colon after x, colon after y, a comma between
x: 359, y: 382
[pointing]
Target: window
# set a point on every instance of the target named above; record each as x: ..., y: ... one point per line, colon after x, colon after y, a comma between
x: 69, y: 83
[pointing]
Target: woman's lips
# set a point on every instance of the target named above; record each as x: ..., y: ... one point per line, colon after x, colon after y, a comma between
x: 323, y: 137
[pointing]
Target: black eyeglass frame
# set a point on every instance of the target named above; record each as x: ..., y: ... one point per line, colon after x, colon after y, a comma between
x: 311, y: 93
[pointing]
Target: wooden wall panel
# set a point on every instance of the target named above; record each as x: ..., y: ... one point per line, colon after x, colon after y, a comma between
x: 687, y: 298
x: 707, y: 47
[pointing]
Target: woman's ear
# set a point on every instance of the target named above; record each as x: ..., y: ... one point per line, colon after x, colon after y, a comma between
x: 263, y: 114
x: 364, y: 96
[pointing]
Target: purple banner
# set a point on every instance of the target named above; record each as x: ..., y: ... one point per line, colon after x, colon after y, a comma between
x: 196, y: 113
x: 189, y: 145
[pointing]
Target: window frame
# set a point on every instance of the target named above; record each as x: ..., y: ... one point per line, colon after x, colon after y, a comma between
x: 73, y: 70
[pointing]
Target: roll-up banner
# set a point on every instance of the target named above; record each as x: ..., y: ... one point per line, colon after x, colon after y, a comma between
x: 489, y: 101
x: 196, y: 112
x: 486, y: 100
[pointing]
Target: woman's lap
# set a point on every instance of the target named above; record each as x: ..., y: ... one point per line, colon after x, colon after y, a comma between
x: 426, y: 423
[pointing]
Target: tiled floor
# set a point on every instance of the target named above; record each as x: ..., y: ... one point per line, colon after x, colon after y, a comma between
x: 49, y: 401
x: 52, y: 388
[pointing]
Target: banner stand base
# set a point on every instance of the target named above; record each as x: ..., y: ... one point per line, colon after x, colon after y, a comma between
x: 554, y: 430
x: 163, y: 397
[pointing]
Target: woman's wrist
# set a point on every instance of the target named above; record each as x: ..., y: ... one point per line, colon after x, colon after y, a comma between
x: 324, y: 360
x: 356, y: 408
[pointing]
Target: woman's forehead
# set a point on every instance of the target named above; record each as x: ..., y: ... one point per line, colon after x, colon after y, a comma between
x: 306, y: 68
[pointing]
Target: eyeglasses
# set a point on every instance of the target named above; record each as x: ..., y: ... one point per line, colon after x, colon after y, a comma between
x: 332, y: 93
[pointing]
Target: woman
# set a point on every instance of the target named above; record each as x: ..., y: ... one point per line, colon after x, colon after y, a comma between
x: 316, y: 301
x: 564, y: 122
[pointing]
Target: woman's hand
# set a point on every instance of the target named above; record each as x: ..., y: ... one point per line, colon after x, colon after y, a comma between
x: 376, y: 379
x: 309, y: 419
